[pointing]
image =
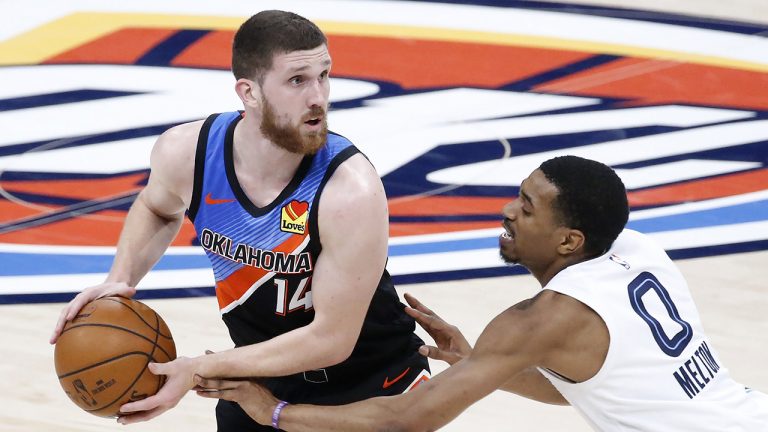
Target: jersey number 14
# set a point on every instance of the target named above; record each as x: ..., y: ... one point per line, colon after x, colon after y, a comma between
x: 301, y: 299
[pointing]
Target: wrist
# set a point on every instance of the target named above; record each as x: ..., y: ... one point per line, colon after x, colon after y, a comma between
x: 276, y: 412
x: 197, y: 366
x: 121, y: 286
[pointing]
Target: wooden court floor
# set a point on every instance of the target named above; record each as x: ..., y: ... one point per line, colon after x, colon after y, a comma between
x: 730, y: 291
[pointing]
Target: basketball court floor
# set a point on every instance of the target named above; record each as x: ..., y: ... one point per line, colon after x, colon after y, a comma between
x: 454, y: 102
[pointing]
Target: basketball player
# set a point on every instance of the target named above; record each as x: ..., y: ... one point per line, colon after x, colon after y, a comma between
x: 294, y: 221
x: 613, y: 332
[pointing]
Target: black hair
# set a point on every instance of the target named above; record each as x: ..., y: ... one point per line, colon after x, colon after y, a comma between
x: 591, y: 198
x: 268, y: 33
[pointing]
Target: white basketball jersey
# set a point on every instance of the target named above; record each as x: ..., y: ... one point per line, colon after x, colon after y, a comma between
x: 661, y: 372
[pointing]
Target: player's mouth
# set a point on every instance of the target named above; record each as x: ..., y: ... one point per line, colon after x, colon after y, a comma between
x: 508, y: 233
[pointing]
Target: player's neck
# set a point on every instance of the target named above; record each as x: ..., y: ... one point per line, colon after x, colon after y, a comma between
x: 546, y: 274
x: 262, y: 157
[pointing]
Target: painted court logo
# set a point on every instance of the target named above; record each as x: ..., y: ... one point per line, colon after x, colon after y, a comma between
x: 293, y: 217
x: 458, y: 105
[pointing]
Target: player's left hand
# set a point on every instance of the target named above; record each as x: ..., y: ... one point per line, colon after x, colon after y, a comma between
x: 451, y: 347
x: 254, y: 399
x: 180, y: 379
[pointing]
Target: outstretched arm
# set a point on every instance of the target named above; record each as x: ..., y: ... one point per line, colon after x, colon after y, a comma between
x: 516, y: 340
x: 431, y: 405
x: 452, y: 346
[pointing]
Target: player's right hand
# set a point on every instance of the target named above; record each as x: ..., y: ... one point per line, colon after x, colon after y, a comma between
x: 87, y: 295
x: 451, y: 347
x: 252, y: 397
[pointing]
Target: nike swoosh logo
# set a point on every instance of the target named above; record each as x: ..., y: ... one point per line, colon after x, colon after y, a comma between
x: 212, y: 201
x: 388, y: 383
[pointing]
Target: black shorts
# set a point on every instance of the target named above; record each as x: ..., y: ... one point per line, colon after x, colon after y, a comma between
x: 397, y: 378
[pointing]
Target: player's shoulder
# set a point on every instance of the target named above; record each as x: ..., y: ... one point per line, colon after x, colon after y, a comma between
x: 177, y: 142
x: 354, y: 189
x: 173, y: 157
x: 631, y: 242
x: 182, y: 134
x: 554, y: 316
x: 355, y: 178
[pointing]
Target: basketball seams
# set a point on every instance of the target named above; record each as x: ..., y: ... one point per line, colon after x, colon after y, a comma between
x: 108, y: 320
x: 103, y: 362
x: 154, y: 343
x: 138, y: 315
x: 127, y: 389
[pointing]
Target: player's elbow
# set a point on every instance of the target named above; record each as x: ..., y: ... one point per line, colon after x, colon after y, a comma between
x: 335, y: 349
x: 340, y: 351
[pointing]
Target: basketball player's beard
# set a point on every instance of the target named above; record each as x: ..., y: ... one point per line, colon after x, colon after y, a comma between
x: 289, y: 137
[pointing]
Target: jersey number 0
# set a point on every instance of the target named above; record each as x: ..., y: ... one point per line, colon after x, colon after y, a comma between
x: 644, y: 283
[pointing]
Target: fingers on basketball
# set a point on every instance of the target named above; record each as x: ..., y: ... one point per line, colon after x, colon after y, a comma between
x: 101, y: 356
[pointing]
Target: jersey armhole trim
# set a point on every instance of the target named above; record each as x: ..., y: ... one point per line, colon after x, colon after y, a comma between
x: 341, y: 157
x: 200, y: 153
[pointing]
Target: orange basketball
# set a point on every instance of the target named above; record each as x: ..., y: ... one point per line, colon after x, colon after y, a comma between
x: 102, y: 355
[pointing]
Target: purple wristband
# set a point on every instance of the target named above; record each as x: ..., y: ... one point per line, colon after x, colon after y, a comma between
x: 276, y: 414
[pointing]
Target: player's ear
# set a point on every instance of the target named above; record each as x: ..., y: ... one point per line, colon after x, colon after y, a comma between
x: 572, y: 241
x: 249, y: 92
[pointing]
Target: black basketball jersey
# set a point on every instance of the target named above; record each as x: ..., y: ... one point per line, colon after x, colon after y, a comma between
x: 263, y: 257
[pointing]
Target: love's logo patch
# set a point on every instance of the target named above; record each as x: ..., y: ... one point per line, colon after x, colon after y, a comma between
x: 293, y: 218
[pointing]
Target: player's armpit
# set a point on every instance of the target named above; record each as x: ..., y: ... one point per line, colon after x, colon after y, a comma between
x: 551, y: 331
x: 532, y: 384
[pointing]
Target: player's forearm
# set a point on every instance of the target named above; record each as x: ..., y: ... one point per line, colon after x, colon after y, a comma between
x: 143, y: 240
x: 427, y: 408
x: 373, y: 415
x: 299, y: 350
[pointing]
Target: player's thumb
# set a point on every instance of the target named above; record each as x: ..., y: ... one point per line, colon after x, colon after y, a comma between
x: 431, y: 352
x: 438, y: 354
x: 157, y: 368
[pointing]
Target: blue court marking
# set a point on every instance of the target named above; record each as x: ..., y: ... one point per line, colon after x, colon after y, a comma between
x: 69, y: 212
x: 29, y: 264
x: 561, y: 72
x: 164, y: 52
x: 83, y: 140
x: 25, y: 264
x: 59, y: 98
x: 141, y: 294
x: 501, y: 270
x: 739, y: 213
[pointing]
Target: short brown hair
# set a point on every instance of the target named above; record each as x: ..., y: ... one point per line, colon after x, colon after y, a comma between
x: 268, y: 33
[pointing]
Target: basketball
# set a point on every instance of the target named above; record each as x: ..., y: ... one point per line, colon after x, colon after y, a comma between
x: 102, y: 354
